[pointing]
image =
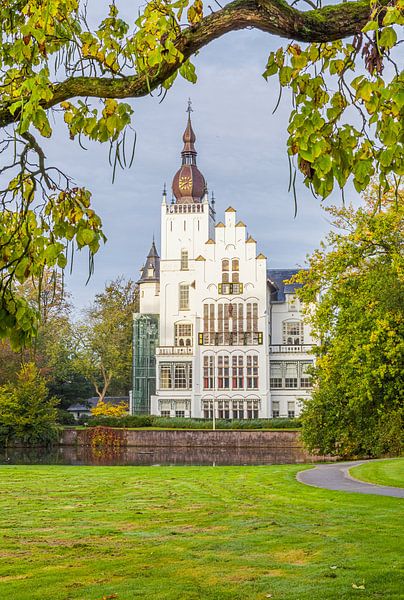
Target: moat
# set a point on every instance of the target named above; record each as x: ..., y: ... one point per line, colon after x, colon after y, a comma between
x: 87, y: 455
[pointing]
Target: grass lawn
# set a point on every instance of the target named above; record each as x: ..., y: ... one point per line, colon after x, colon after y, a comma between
x: 384, y: 472
x: 192, y: 533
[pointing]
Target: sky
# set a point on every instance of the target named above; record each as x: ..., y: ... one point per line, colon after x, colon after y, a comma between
x: 241, y: 149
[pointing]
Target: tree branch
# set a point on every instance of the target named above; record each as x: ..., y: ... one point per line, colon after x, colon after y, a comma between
x: 272, y: 16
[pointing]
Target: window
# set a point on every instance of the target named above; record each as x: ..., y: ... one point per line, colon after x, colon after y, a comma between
x: 208, y: 372
x: 223, y: 372
x: 252, y: 372
x: 275, y: 409
x: 225, y: 271
x: 238, y: 409
x: 292, y: 332
x: 180, y: 413
x: 291, y: 410
x: 165, y: 377
x: 276, y: 375
x: 223, y: 407
x: 184, y: 260
x: 183, y: 334
x: 237, y: 375
x: 184, y: 296
x: 291, y: 375
x: 165, y: 413
x: 230, y: 288
x: 180, y: 377
x: 207, y: 407
x: 235, y: 276
x: 292, y: 303
x: 305, y: 377
x: 179, y: 374
x: 252, y: 318
x: 208, y: 324
x: 252, y: 409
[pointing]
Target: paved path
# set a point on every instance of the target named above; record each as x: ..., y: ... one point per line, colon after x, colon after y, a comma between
x: 335, y: 476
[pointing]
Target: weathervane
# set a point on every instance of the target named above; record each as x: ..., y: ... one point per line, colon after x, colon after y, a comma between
x: 189, y: 109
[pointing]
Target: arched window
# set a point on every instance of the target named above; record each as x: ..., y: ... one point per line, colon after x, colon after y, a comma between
x: 292, y: 332
x: 183, y: 334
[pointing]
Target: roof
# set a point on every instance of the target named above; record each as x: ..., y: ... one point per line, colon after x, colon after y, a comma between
x: 92, y: 402
x: 277, y: 278
x: 152, y: 262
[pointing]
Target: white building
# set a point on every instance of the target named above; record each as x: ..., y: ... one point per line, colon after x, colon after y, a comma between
x: 216, y: 329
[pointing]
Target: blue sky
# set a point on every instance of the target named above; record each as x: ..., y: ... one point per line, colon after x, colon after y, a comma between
x: 241, y: 152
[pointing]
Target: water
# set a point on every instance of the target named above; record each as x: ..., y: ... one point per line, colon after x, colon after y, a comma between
x: 150, y: 456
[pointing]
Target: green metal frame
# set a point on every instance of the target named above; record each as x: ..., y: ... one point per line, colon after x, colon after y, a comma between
x: 145, y: 339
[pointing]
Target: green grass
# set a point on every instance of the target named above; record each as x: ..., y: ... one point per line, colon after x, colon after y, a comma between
x: 192, y: 533
x: 383, y: 472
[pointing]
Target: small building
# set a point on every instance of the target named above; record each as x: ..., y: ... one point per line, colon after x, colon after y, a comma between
x: 83, y: 408
x: 217, y: 330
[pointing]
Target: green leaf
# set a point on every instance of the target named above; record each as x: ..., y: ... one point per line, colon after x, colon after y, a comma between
x: 388, y: 38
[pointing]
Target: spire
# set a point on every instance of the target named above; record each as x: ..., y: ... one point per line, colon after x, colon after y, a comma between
x: 188, y: 183
x: 188, y: 152
x: 151, y: 269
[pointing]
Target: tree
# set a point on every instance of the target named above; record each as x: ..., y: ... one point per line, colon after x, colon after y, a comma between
x: 104, y: 340
x: 103, y: 409
x: 47, y: 215
x: 27, y: 414
x: 354, y: 293
x: 54, y: 348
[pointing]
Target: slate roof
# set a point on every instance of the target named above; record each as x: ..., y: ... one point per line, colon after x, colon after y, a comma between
x: 92, y: 403
x: 277, y: 278
x: 152, y: 262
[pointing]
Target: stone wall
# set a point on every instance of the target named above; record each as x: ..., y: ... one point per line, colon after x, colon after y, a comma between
x: 191, y: 438
x: 233, y: 442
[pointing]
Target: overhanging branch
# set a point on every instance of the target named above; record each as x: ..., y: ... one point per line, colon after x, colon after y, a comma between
x: 272, y: 16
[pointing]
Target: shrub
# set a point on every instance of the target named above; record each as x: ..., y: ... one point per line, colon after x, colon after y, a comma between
x: 184, y: 423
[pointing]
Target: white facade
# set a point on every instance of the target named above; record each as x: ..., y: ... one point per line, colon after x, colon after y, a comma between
x: 231, y: 336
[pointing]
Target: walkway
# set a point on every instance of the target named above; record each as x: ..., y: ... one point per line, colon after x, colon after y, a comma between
x: 335, y: 476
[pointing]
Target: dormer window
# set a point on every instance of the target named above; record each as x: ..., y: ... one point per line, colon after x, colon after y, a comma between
x: 292, y: 303
x: 150, y: 271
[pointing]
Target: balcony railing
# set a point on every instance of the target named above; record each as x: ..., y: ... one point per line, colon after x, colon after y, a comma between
x: 286, y: 348
x: 229, y: 338
x: 170, y: 350
x: 185, y: 208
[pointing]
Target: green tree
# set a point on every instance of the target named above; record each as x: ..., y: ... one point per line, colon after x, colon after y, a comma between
x: 354, y: 294
x: 104, y: 340
x: 51, y: 61
x: 27, y: 414
x: 54, y: 348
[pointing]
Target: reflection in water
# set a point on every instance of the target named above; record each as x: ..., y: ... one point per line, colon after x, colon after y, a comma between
x: 86, y: 455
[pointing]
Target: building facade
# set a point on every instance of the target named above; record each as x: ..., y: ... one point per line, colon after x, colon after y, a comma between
x: 216, y: 329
